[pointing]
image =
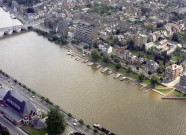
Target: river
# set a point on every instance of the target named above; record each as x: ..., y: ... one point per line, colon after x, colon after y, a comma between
x: 85, y: 92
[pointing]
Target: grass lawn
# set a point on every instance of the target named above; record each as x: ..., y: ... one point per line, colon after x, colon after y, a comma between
x: 178, y: 94
x: 164, y: 91
x: 31, y: 131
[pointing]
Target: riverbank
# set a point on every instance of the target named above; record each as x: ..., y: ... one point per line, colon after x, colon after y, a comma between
x: 132, y: 76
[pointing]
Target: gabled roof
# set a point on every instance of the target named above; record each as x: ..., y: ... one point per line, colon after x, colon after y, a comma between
x: 26, y: 106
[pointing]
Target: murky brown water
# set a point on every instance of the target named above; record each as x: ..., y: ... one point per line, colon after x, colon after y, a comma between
x: 85, y: 92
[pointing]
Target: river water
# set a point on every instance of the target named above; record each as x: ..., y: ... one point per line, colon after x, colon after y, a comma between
x: 85, y: 92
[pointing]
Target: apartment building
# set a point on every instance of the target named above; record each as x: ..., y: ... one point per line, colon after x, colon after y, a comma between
x: 86, y: 32
x: 172, y: 72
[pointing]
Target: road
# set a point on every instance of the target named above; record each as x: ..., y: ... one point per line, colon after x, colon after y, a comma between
x: 12, y: 129
x: 8, y: 83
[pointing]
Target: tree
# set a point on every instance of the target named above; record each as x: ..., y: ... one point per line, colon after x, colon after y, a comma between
x: 150, y: 72
x: 85, y: 47
x: 141, y: 77
x: 129, y: 70
x: 73, y: 42
x: 154, y: 79
x: 116, y: 60
x: 112, y: 56
x: 127, y: 62
x: 95, y: 130
x: 95, y: 54
x: 81, y: 121
x: 4, y: 130
x: 118, y: 66
x: 55, y: 122
x: 175, y: 37
x: 30, y: 10
x: 69, y: 115
x: 88, y: 126
x: 137, y: 68
x: 106, y: 58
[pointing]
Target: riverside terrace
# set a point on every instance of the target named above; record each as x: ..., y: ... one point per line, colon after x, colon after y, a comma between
x: 17, y: 108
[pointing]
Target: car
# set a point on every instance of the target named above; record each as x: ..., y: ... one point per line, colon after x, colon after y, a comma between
x: 75, y: 124
x: 67, y: 123
x: 33, y: 96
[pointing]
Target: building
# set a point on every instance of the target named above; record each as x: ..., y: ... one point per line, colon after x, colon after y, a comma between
x: 151, y: 66
x: 139, y: 40
x: 105, y: 48
x: 172, y: 72
x: 183, y: 80
x: 17, y: 108
x: 62, y: 26
x: 86, y: 32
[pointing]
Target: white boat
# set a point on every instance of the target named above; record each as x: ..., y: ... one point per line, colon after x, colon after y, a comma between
x: 116, y: 76
x: 5, y: 9
x: 110, y: 72
x: 104, y: 70
x: 98, y: 66
x: 122, y: 78
x: 85, y: 61
x: 13, y: 16
x: 78, y: 58
x: 90, y: 64
x: 68, y: 53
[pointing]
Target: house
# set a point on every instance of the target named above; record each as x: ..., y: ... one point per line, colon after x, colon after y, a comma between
x: 151, y: 66
x: 127, y: 55
x: 172, y: 72
x: 183, y: 66
x: 183, y: 81
x: 105, y: 48
x: 17, y: 108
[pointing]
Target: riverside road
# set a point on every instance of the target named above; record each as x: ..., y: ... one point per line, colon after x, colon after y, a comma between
x: 8, y: 83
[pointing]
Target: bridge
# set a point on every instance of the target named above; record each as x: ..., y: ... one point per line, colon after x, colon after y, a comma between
x: 18, y: 28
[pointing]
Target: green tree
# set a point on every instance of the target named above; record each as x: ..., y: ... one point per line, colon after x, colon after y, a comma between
x: 175, y: 37
x: 141, y: 77
x: 127, y: 62
x: 150, y: 72
x: 4, y: 130
x: 118, y: 66
x: 69, y: 115
x: 129, y: 70
x: 95, y: 54
x: 55, y: 122
x: 95, y: 130
x: 154, y: 79
x: 106, y: 58
x: 81, y: 121
x: 88, y: 126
